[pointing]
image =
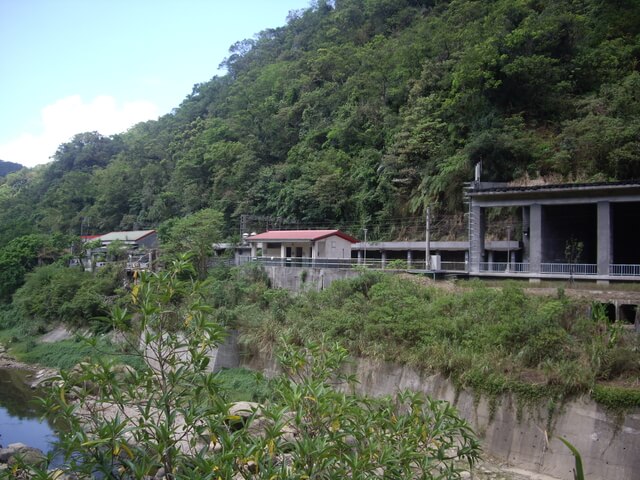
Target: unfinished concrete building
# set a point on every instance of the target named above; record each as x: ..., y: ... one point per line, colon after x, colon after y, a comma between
x: 600, y: 218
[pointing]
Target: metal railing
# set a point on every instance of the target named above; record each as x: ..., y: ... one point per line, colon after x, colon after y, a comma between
x: 504, y: 267
x: 620, y: 270
x: 374, y: 263
x: 454, y: 266
x: 458, y: 267
x: 137, y: 266
x: 569, y: 268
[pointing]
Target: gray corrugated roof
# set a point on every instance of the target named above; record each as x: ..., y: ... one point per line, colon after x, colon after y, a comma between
x: 130, y: 236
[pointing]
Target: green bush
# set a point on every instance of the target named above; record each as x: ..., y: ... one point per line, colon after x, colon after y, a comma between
x: 397, y: 265
x: 245, y: 385
x: 616, y: 398
x: 486, y: 338
x: 619, y: 362
x: 177, y: 417
x: 55, y: 293
x: 67, y: 353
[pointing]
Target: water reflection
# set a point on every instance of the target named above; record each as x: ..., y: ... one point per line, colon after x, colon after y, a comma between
x: 20, y: 413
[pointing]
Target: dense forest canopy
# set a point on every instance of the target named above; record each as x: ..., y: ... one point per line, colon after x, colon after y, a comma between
x: 360, y: 112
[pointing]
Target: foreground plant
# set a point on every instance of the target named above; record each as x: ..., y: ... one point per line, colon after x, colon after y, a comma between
x: 169, y: 418
x: 121, y: 422
x: 578, y: 471
x: 342, y: 435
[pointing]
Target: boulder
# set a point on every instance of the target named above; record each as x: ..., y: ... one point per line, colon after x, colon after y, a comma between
x: 19, y: 451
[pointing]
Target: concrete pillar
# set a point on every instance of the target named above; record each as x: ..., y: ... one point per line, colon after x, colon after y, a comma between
x: 409, y: 258
x: 604, y: 238
x: 254, y: 250
x: 490, y: 259
x: 535, y: 238
x: 476, y: 237
x: 314, y: 253
x: 359, y: 257
x: 283, y: 253
x: 383, y: 258
x: 526, y: 229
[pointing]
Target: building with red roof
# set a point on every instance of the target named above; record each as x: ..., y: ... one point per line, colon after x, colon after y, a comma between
x: 311, y: 244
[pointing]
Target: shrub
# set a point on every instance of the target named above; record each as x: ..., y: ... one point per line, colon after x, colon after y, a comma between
x: 176, y: 417
x: 616, y: 398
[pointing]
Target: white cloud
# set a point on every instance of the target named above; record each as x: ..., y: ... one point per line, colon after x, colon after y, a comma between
x: 69, y: 116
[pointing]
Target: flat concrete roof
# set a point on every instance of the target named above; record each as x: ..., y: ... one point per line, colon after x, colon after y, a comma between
x: 502, y: 194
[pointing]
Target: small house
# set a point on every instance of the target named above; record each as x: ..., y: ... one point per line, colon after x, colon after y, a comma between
x: 311, y: 244
x: 139, y: 239
x: 139, y: 247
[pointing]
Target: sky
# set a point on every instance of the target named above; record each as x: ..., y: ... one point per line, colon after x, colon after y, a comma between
x: 72, y: 66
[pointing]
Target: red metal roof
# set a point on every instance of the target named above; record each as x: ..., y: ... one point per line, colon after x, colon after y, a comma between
x: 300, y: 235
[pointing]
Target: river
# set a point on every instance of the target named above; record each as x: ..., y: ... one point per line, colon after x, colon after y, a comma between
x: 20, y: 413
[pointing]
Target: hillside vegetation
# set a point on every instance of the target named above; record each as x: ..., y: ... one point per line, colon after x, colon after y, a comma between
x: 361, y: 112
x: 494, y: 341
x: 8, y: 167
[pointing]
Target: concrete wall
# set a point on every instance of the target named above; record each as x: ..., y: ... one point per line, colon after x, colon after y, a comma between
x: 337, y: 247
x: 609, y: 450
x: 227, y: 355
x: 298, y: 279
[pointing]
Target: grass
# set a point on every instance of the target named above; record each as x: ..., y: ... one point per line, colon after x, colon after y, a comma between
x: 555, y: 284
x: 244, y: 385
x: 67, y: 353
x: 64, y: 354
x: 493, y: 340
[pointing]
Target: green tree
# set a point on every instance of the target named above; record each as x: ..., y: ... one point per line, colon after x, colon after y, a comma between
x: 55, y: 293
x: 196, y: 234
x: 22, y: 254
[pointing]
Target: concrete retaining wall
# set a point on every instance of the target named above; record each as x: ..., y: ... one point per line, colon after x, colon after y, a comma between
x: 609, y: 449
x: 298, y: 279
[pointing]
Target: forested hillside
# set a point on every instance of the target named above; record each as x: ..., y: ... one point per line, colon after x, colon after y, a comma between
x: 363, y: 111
x: 8, y: 167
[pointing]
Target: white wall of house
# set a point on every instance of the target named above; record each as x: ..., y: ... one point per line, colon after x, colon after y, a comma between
x: 287, y: 249
x: 330, y: 247
x: 333, y: 247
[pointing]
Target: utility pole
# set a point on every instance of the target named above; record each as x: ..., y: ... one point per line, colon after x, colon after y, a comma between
x: 427, y: 245
x: 365, y: 246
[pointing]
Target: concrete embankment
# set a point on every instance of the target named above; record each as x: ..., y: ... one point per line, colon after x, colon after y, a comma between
x: 520, y: 437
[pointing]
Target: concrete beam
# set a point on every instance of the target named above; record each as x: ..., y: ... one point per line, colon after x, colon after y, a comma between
x: 518, y: 202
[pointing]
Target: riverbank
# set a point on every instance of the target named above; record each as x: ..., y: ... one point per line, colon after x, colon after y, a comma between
x: 38, y: 373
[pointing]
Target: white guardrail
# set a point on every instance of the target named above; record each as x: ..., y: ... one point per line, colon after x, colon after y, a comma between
x: 620, y: 270
x: 569, y: 268
x: 628, y: 270
x: 504, y: 267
